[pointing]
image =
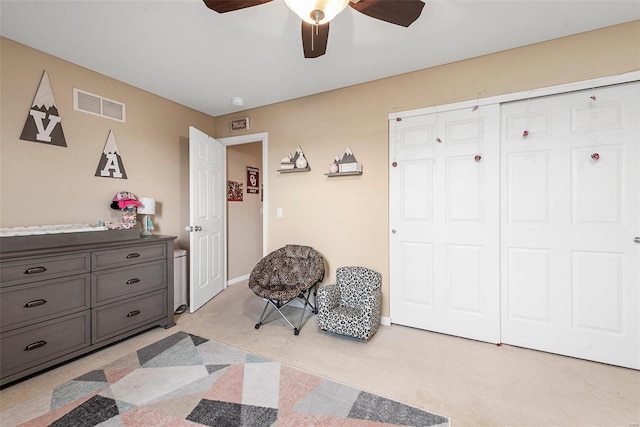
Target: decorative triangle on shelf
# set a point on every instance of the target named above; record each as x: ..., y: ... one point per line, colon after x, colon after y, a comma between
x: 296, y: 163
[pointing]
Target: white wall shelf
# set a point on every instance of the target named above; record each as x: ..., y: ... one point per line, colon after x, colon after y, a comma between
x: 343, y: 173
x: 307, y: 169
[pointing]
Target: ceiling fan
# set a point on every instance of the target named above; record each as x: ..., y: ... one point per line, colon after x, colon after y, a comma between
x: 316, y: 14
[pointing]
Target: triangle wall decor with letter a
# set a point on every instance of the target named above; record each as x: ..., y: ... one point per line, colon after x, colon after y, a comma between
x: 43, y: 123
x: 111, y: 165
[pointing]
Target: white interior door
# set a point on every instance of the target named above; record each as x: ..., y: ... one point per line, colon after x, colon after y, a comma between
x: 207, y: 198
x: 570, y: 213
x: 444, y: 220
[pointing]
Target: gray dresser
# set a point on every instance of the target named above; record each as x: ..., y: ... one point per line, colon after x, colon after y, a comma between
x: 63, y: 296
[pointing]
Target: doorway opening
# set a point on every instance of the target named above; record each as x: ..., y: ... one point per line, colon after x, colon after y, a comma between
x: 246, y: 158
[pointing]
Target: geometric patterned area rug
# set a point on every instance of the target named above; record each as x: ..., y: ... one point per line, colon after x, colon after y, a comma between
x: 186, y: 380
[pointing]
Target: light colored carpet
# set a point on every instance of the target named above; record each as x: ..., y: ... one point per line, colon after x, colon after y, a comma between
x: 474, y: 383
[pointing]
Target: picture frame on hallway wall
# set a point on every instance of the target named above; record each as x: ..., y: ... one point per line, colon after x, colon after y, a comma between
x: 253, y: 180
x: 234, y: 191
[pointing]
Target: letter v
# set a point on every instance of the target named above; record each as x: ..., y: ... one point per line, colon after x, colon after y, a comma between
x: 44, y: 134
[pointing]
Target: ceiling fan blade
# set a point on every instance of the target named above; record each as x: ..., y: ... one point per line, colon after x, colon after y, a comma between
x: 399, y: 12
x: 222, y: 6
x: 314, y: 39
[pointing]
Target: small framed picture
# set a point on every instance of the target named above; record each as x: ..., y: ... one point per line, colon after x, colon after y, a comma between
x: 234, y: 191
x: 239, y: 124
x: 253, y: 180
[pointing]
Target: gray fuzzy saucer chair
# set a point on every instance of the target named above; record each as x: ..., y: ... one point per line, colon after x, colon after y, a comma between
x: 352, y: 306
x: 285, y: 275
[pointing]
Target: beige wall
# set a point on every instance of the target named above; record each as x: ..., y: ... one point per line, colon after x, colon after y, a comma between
x: 244, y: 220
x: 346, y: 218
x: 43, y: 184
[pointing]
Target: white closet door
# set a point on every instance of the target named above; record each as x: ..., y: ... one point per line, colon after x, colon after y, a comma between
x: 444, y: 220
x: 570, y: 192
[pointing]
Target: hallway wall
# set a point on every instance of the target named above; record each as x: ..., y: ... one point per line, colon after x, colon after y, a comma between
x: 244, y: 219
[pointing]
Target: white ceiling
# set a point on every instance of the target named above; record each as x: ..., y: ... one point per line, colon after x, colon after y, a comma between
x: 183, y: 51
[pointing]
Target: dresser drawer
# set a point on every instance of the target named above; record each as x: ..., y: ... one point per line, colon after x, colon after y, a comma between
x: 33, y: 269
x: 127, y: 256
x: 113, y: 319
x: 39, y: 301
x: 27, y: 347
x: 109, y: 285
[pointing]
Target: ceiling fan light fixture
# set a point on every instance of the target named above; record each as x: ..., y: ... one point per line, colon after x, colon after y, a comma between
x: 317, y: 12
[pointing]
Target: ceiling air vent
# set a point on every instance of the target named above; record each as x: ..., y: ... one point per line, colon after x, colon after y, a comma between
x: 98, y: 105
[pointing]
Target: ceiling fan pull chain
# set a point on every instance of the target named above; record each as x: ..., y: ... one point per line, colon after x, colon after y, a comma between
x: 317, y: 15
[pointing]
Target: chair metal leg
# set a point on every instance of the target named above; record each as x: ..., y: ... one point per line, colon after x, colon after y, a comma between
x: 279, y: 305
x: 262, y: 316
x: 304, y: 309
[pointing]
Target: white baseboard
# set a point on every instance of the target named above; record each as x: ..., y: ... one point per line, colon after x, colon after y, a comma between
x: 385, y: 321
x: 237, y: 279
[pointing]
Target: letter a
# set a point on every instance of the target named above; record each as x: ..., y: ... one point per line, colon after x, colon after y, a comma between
x: 112, y: 168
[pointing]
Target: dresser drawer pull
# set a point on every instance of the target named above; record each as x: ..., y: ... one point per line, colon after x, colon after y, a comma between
x: 35, y: 303
x: 34, y: 270
x: 132, y: 281
x: 133, y: 255
x: 133, y: 313
x: 35, y: 345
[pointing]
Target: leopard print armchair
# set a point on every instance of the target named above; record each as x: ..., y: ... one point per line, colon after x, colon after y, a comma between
x: 352, y: 306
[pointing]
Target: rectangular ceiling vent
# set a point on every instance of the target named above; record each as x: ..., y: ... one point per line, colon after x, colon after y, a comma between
x: 98, y: 105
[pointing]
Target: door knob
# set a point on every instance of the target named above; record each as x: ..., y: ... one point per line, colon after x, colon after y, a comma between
x: 188, y: 228
x: 393, y: 231
x: 637, y: 239
x: 198, y: 228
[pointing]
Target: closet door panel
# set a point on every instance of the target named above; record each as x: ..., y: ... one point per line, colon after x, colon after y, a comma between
x: 529, y: 293
x: 528, y: 187
x: 444, y: 219
x: 570, y: 269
